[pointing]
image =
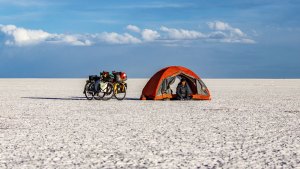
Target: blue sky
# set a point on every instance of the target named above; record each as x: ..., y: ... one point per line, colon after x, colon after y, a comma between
x: 215, y: 38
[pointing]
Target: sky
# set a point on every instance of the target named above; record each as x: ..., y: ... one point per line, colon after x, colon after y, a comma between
x: 214, y: 38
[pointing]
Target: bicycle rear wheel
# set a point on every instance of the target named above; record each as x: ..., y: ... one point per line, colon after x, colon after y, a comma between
x: 88, y: 90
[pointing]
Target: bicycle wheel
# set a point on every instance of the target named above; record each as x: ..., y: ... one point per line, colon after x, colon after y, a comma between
x: 88, y: 90
x: 120, y: 91
x: 108, y: 92
x: 99, y: 94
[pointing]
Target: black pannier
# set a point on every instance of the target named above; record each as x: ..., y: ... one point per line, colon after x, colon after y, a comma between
x: 94, y: 77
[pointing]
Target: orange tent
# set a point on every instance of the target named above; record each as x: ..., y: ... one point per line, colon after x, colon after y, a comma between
x: 157, y: 86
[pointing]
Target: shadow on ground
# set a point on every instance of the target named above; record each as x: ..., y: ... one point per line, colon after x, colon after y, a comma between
x: 67, y: 98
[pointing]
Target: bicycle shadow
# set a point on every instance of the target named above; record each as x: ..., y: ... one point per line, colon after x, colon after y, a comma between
x: 55, y: 98
x: 69, y: 98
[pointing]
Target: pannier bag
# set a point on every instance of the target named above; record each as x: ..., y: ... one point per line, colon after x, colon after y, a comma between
x: 103, y: 85
x: 120, y: 76
x: 94, y: 77
x: 123, y: 76
x: 105, y: 76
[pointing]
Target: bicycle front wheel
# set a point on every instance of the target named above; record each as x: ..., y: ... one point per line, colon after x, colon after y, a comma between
x: 120, y: 91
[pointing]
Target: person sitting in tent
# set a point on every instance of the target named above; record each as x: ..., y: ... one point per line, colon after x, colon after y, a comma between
x: 183, y: 91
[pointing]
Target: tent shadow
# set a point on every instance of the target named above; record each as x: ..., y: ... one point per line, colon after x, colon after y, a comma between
x: 131, y: 98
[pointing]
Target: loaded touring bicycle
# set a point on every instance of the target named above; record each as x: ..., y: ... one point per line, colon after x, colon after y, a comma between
x: 106, y: 86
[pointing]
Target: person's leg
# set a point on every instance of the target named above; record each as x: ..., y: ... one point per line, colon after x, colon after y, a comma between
x: 97, y: 85
x: 179, y: 96
x: 188, y: 97
x: 183, y: 97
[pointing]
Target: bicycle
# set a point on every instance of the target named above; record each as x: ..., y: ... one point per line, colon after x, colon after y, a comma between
x: 102, y: 92
x: 119, y: 85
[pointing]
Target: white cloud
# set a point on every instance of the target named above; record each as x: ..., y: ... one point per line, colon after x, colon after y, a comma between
x: 75, y: 40
x: 218, y: 25
x: 221, y: 32
x: 222, y: 26
x: 150, y: 35
x: 182, y: 34
x: 229, y: 33
x: 115, y: 38
x: 237, y: 32
x: 22, y: 37
x: 133, y: 28
x: 217, y: 35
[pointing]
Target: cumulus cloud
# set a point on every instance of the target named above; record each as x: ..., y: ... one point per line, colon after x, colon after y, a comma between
x: 220, y: 32
x: 133, y: 28
x: 222, y: 26
x: 182, y: 34
x: 115, y: 38
x: 218, y: 25
x: 150, y: 35
x: 231, y: 34
x: 22, y: 37
x: 249, y: 41
x: 75, y: 40
x: 217, y: 35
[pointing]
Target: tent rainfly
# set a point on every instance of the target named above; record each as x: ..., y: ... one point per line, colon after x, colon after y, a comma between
x: 157, y: 86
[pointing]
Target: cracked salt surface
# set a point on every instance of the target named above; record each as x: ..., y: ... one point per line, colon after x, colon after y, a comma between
x: 45, y: 123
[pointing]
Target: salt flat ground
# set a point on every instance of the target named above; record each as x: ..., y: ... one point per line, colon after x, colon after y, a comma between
x: 46, y: 123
